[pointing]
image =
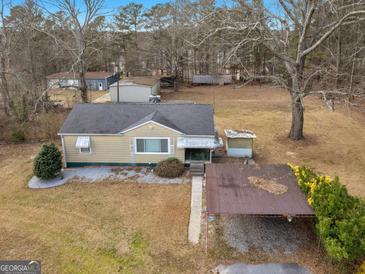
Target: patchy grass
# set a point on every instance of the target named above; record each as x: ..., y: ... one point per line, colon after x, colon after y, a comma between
x: 334, y: 143
x: 110, y: 227
x: 94, y: 228
x: 70, y: 97
x: 113, y: 227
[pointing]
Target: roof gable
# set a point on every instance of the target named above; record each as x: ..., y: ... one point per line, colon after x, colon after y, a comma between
x: 154, y: 117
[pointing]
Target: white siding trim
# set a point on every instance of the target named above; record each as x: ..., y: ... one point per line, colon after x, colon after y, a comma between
x: 88, y: 134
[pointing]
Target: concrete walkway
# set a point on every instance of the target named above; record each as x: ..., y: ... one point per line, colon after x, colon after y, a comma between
x: 261, y: 269
x: 90, y: 174
x: 196, y: 209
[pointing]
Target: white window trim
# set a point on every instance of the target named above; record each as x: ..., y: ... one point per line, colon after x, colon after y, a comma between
x: 160, y: 153
x: 81, y: 152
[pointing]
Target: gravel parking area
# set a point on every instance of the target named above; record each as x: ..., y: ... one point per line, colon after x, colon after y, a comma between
x: 271, y: 235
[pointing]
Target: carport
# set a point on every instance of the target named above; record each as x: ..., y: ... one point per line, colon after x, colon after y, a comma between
x: 230, y: 191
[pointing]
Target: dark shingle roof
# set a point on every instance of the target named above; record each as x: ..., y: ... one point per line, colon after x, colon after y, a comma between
x: 190, y: 119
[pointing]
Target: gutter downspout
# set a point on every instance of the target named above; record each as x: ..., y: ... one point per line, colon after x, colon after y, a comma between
x: 118, y: 82
x: 64, y: 152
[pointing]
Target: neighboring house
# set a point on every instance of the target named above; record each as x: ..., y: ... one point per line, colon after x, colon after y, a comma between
x: 95, y: 80
x: 135, y: 89
x: 239, y: 143
x: 137, y: 134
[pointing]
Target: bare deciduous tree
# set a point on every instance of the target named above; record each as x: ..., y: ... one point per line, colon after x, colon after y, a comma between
x: 79, y: 26
x: 292, y: 32
x: 5, y: 49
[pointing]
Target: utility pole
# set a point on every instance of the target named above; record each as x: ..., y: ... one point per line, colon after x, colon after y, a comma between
x: 118, y: 71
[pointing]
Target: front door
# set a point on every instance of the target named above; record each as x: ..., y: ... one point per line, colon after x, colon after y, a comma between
x: 197, y: 154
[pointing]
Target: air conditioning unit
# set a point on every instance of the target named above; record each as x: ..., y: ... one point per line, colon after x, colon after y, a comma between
x: 155, y: 99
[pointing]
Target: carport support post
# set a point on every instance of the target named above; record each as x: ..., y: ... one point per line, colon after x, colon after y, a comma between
x: 206, y: 231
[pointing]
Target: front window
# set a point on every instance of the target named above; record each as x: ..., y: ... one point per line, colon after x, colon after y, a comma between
x: 85, y: 150
x: 83, y: 144
x: 157, y: 145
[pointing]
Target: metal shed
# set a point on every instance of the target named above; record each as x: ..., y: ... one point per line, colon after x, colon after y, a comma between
x: 239, y: 143
x: 135, y: 89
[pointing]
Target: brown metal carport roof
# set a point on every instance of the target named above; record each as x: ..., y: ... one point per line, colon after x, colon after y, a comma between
x: 228, y: 191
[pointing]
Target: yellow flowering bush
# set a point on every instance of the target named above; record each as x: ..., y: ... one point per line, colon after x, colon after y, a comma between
x: 307, y: 180
x: 340, y: 217
x: 361, y: 269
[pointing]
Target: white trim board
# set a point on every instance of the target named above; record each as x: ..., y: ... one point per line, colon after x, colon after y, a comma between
x: 145, y: 123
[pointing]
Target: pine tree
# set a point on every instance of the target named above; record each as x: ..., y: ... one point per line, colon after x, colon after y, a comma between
x: 48, y: 163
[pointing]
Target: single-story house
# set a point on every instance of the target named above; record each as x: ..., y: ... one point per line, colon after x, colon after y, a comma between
x: 239, y: 143
x: 95, y: 80
x: 135, y: 89
x: 137, y: 134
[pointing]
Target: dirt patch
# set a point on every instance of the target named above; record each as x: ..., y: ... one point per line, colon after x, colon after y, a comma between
x: 69, y: 97
x: 268, y: 185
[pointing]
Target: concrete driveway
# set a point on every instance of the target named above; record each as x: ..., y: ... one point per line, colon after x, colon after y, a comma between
x: 261, y: 269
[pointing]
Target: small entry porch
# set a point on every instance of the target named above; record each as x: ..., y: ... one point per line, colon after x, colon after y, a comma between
x: 199, y: 149
x: 198, y: 155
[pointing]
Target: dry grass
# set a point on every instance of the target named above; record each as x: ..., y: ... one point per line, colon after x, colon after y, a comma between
x: 334, y: 144
x: 93, y: 228
x: 110, y: 227
x: 70, y: 97
x: 44, y: 127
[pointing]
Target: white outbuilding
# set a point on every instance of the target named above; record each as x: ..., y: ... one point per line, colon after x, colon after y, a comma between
x: 239, y: 143
x: 135, y: 89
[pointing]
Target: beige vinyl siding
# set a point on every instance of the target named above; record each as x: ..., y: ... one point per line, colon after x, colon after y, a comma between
x: 239, y: 143
x: 154, y: 130
x: 120, y: 148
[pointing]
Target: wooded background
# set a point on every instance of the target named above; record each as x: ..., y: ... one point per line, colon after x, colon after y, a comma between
x: 307, y: 47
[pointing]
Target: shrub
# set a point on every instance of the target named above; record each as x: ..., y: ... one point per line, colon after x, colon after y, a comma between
x: 170, y: 168
x: 48, y: 163
x: 361, y: 269
x: 18, y: 136
x: 340, y: 217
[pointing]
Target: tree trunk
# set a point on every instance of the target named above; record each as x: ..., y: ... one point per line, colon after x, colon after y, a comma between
x: 296, y: 130
x: 83, y: 87
x: 4, y: 88
x: 338, y: 58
